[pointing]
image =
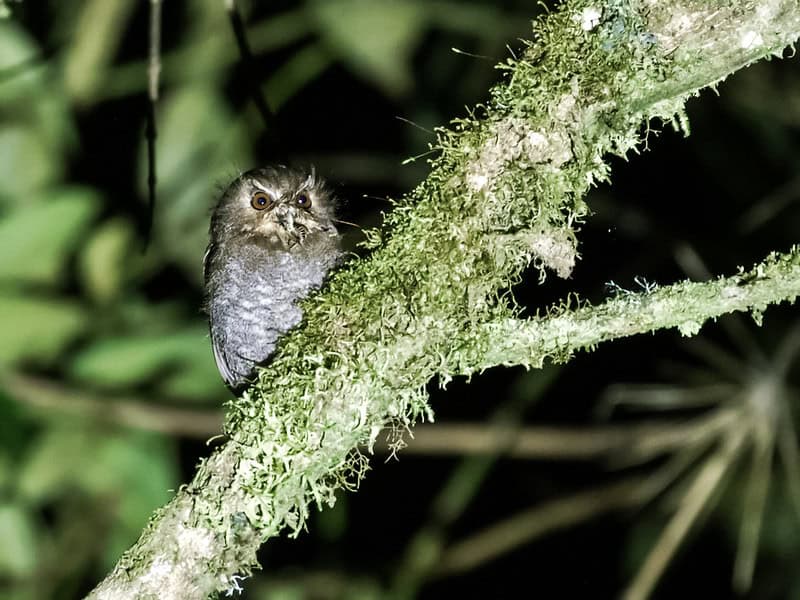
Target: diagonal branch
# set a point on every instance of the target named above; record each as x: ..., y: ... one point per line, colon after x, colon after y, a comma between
x: 506, y: 190
x: 684, y: 305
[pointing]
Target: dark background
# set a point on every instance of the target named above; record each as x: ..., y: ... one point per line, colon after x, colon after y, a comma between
x: 93, y: 329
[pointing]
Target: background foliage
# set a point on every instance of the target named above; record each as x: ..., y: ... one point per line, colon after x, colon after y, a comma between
x: 107, y: 384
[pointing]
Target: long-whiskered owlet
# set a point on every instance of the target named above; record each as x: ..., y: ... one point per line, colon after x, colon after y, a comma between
x: 273, y: 241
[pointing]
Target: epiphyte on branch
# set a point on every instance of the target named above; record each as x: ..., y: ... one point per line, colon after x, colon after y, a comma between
x: 272, y: 241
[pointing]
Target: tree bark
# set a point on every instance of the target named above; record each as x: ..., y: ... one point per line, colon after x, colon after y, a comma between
x: 505, y: 191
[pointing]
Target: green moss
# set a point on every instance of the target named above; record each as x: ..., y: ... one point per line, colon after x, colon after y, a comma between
x: 505, y: 190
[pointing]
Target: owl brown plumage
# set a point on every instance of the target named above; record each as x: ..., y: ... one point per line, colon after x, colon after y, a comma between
x: 272, y: 241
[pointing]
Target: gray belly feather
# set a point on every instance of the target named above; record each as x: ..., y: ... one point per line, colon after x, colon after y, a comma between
x: 253, y: 302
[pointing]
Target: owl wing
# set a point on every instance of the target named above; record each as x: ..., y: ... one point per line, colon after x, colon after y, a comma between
x: 216, y: 343
x: 211, y: 250
x: 222, y: 363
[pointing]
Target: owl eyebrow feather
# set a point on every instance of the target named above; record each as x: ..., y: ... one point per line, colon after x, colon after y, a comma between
x: 262, y: 188
x: 310, y: 181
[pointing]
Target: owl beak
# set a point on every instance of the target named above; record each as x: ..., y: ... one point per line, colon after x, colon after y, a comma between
x: 285, y: 217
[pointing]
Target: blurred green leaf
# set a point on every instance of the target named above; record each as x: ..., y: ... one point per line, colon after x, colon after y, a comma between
x: 16, y: 430
x: 135, y: 470
x: 182, y: 361
x: 57, y: 461
x: 37, y: 106
x: 29, y: 149
x: 16, y: 46
x: 287, y: 591
x: 375, y: 39
x: 300, y: 70
x: 8, y: 471
x: 195, y: 126
x: 35, y: 239
x: 145, y: 475
x: 481, y: 20
x: 201, y: 145
x: 89, y: 55
x: 37, y: 328
x: 105, y: 262
x: 27, y: 164
x: 135, y: 313
x: 197, y: 380
x: 18, y: 552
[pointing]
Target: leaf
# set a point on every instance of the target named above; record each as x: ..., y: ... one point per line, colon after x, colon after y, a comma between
x: 57, y: 459
x: 8, y: 470
x: 37, y: 328
x: 27, y: 164
x: 18, y: 552
x: 88, y: 56
x: 37, y: 106
x: 197, y: 380
x: 35, y: 239
x: 375, y: 39
x: 136, y: 469
x: 142, y: 470
x: 181, y: 362
x: 305, y: 65
x: 106, y: 261
x: 16, y: 46
x: 16, y: 430
x: 200, y: 146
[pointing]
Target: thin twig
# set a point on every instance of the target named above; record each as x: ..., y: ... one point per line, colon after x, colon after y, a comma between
x: 423, y: 551
x: 50, y: 396
x: 790, y: 456
x: 661, y: 397
x: 566, y: 511
x: 525, y: 341
x: 786, y: 355
x: 695, y: 501
x: 740, y: 334
x: 153, y: 74
x: 248, y: 62
x: 755, y: 501
x: 770, y: 206
x: 637, y: 442
x: 154, y: 57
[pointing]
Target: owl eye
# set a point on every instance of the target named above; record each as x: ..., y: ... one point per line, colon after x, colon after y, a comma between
x: 261, y: 200
x: 303, y: 201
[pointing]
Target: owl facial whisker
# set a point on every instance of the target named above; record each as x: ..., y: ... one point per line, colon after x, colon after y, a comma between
x: 310, y: 180
x: 347, y: 223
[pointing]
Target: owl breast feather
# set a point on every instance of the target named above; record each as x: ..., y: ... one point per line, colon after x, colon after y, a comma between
x: 253, y: 301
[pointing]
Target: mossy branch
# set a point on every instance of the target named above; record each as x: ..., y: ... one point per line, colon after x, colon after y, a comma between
x: 686, y: 305
x: 505, y: 191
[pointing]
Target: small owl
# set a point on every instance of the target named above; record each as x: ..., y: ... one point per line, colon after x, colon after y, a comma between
x: 273, y: 241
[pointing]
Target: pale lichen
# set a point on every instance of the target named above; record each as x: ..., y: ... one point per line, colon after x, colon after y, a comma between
x: 505, y: 189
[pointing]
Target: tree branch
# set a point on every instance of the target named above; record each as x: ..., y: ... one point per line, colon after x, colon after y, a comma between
x: 632, y: 443
x: 506, y: 190
x: 684, y: 305
x: 50, y: 397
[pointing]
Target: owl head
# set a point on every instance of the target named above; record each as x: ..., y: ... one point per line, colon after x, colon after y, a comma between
x: 277, y: 205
